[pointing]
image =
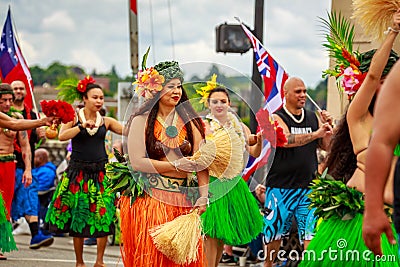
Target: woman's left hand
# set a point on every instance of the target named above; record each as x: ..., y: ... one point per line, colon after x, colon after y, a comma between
x: 187, y: 165
x: 201, y: 204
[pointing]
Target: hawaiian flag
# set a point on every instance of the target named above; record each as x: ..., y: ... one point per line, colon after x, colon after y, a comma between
x: 12, y: 63
x: 274, y: 77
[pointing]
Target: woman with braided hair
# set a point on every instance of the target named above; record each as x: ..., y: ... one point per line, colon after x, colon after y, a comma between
x: 346, y: 163
x: 162, y: 133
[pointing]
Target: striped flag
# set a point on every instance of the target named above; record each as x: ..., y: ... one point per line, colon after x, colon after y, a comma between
x: 274, y: 77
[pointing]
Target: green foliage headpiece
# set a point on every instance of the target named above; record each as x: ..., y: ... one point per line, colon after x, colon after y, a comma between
x: 169, y: 70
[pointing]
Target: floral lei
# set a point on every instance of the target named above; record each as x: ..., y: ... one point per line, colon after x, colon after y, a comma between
x: 232, y: 121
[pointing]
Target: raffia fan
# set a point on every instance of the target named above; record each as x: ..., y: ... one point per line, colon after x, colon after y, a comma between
x: 179, y: 239
x: 222, y: 153
x: 375, y: 16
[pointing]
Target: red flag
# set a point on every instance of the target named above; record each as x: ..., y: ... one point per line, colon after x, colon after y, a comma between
x: 12, y: 64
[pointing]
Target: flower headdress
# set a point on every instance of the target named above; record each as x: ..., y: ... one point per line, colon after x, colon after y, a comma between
x: 351, y: 66
x: 339, y: 43
x: 204, y: 90
x: 148, y: 80
x: 72, y: 89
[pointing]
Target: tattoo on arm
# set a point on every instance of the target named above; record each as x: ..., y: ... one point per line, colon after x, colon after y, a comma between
x: 299, y: 139
x: 24, y: 134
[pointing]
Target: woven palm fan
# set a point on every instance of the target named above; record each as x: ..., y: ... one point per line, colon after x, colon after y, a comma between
x: 375, y: 16
x: 179, y: 238
x: 222, y: 153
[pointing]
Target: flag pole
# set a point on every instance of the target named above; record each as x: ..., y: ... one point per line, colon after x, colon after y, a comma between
x: 314, y: 103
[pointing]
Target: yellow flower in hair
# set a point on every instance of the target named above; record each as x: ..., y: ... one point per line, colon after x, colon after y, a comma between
x: 205, y: 90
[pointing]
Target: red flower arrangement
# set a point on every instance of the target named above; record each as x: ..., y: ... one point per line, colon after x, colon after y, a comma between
x: 82, y: 84
x: 271, y: 129
x: 59, y: 109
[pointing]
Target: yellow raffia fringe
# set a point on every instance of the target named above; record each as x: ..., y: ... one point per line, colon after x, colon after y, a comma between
x: 222, y: 153
x: 179, y: 238
x: 375, y: 16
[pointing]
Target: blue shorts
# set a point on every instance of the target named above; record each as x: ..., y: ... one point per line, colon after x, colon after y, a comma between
x: 26, y: 199
x: 281, y: 205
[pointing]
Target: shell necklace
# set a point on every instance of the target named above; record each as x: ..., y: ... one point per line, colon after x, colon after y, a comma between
x: 96, y: 125
x: 292, y: 116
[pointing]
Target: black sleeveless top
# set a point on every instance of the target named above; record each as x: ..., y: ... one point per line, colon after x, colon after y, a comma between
x: 295, y: 167
x: 90, y: 148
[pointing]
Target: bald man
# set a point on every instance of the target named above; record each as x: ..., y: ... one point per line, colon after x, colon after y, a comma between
x: 293, y: 169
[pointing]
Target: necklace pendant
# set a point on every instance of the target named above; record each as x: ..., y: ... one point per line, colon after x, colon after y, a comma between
x: 171, y: 131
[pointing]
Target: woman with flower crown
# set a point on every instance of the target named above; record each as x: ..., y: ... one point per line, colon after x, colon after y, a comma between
x: 233, y: 217
x: 163, y: 132
x: 83, y: 204
x: 340, y: 202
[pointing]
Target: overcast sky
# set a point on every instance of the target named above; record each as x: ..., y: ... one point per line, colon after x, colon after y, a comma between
x: 95, y: 34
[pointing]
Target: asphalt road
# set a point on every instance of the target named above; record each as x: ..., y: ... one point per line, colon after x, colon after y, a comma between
x: 61, y: 254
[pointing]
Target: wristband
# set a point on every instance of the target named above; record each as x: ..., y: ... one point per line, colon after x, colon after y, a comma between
x: 80, y: 126
x: 391, y: 29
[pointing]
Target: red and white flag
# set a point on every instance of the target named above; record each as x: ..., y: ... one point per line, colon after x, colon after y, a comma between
x: 12, y: 64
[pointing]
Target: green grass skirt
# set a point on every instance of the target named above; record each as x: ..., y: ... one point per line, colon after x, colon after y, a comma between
x: 233, y: 215
x: 7, y: 242
x: 343, y: 239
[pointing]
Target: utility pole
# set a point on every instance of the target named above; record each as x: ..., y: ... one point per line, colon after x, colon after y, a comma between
x: 133, y: 32
x: 255, y: 101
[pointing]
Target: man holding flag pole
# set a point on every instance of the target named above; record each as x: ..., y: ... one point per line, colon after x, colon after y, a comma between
x: 295, y: 164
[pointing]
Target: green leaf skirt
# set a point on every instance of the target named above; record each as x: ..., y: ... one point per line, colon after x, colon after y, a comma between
x: 339, y: 243
x: 7, y: 242
x: 83, y: 204
x: 233, y: 215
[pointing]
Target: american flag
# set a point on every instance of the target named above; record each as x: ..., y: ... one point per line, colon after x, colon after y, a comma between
x: 12, y: 63
x: 274, y: 77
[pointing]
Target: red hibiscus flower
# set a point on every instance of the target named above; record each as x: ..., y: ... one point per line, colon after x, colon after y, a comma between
x: 271, y: 129
x: 79, y: 177
x: 74, y: 188
x: 57, y: 202
x: 101, y: 188
x: 101, y: 177
x: 92, y: 207
x: 82, y: 84
x: 85, y: 187
x: 64, y: 208
x: 281, y: 139
x: 102, y: 211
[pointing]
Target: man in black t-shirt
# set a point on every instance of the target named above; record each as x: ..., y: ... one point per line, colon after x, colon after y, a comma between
x: 293, y: 169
